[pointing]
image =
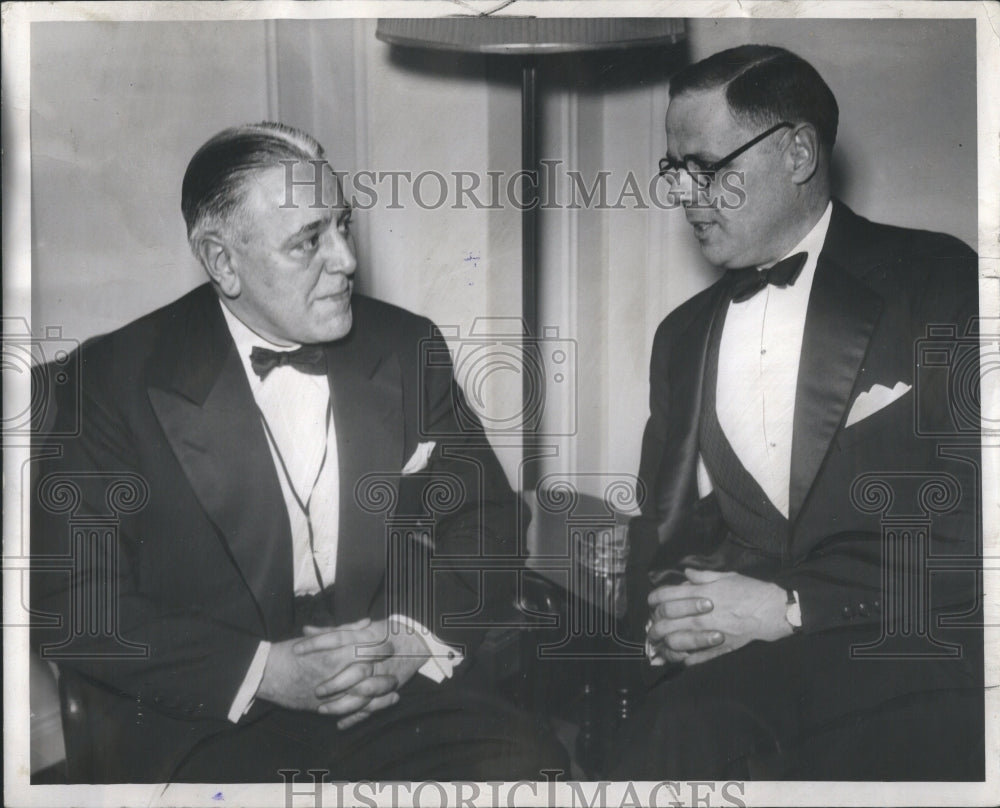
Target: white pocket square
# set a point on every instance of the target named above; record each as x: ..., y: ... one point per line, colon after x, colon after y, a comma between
x: 418, y: 462
x: 874, y: 400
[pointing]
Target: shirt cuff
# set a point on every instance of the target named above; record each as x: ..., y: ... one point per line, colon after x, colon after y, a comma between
x: 248, y: 690
x: 443, y: 660
x: 793, y: 610
x: 703, y: 479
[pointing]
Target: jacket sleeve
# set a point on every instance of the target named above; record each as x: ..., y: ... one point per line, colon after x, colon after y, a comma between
x: 91, y: 611
x: 468, y: 572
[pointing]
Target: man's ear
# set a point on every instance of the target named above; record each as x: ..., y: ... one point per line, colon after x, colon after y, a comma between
x: 802, y: 154
x: 216, y: 256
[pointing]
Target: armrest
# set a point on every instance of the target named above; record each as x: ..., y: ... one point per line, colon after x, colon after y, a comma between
x: 539, y: 595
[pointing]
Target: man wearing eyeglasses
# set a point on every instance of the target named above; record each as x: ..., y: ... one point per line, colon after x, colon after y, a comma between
x: 792, y: 628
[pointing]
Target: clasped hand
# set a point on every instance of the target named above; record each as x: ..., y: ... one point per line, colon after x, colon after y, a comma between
x: 712, y: 613
x: 349, y: 671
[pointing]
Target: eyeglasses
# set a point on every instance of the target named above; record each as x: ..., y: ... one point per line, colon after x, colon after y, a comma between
x: 703, y: 173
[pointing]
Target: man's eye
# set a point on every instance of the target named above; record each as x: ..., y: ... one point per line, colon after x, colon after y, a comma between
x: 310, y: 244
x: 344, y: 225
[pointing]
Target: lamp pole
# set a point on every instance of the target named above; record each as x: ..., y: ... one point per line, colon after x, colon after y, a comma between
x: 529, y: 40
x: 530, y: 184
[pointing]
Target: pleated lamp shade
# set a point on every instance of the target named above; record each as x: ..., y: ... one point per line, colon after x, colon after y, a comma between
x: 522, y: 36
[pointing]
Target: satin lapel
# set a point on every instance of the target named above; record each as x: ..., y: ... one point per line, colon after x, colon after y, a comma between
x: 840, y: 319
x: 367, y: 396
x: 210, y: 420
x: 678, y: 470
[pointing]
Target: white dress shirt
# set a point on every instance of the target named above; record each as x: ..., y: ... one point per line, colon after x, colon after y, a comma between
x: 758, y: 372
x: 302, y: 435
x: 294, y: 407
x: 759, y: 354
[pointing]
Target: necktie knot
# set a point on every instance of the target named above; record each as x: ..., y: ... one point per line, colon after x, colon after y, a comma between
x: 748, y: 282
x: 307, y: 359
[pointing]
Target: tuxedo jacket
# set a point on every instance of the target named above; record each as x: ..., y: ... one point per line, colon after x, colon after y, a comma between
x: 886, y: 305
x: 170, y: 459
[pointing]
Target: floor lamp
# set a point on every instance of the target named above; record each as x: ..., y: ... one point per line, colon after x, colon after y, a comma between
x: 530, y: 40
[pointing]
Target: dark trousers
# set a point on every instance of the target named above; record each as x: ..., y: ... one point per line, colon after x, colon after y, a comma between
x: 446, y: 731
x: 453, y: 730
x: 804, y: 709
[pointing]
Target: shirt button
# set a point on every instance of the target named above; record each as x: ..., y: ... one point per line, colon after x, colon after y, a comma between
x: 847, y: 613
x: 763, y: 351
x: 863, y: 609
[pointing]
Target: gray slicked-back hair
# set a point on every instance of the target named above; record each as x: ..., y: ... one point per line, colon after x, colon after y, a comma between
x: 213, y: 186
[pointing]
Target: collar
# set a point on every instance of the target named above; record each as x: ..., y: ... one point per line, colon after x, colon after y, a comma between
x: 246, y: 338
x: 812, y: 242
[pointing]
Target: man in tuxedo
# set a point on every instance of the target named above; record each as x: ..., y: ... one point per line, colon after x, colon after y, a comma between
x: 292, y: 502
x: 792, y: 459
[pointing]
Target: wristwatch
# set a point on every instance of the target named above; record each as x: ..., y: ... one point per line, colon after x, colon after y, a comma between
x: 793, y: 611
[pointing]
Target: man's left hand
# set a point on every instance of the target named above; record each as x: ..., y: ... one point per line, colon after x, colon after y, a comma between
x: 743, y: 609
x: 410, y: 652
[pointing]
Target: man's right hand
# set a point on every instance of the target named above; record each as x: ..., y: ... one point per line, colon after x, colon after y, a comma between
x: 347, y: 678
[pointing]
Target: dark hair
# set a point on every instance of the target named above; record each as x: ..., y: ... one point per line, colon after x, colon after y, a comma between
x: 213, y: 183
x: 764, y: 85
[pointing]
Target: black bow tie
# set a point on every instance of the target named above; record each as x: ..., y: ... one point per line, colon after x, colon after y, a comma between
x: 748, y: 282
x: 309, y: 359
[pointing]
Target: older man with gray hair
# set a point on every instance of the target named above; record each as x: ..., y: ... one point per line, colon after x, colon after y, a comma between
x: 285, y: 626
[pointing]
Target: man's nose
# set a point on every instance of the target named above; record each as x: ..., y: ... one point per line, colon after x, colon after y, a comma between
x: 682, y: 187
x: 338, y: 252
